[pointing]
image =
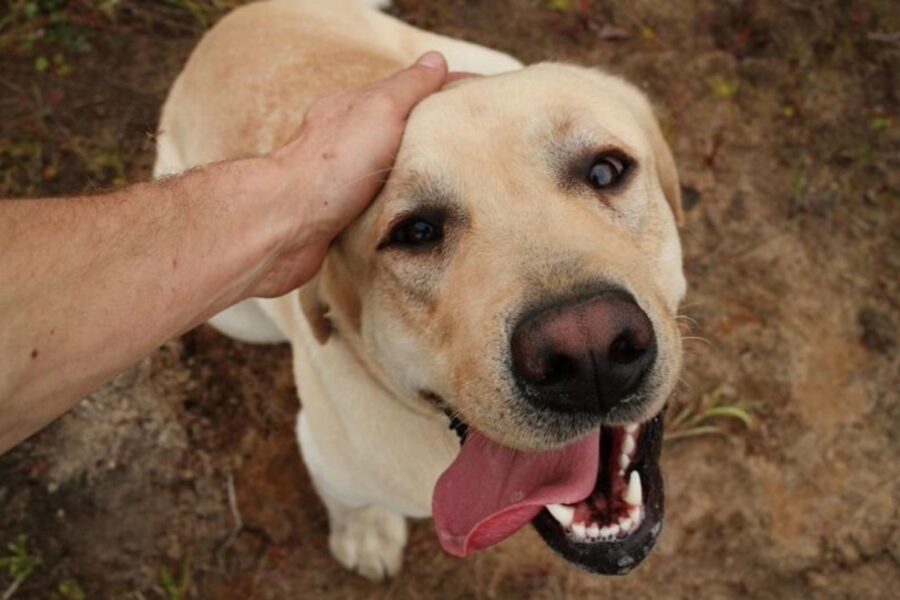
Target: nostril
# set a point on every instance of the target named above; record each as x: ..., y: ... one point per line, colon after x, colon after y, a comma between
x: 624, y: 350
x: 559, y: 367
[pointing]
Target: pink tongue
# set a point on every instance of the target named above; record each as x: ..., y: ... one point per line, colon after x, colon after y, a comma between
x: 490, y: 491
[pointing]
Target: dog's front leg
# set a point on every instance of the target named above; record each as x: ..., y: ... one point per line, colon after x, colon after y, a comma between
x: 365, y: 538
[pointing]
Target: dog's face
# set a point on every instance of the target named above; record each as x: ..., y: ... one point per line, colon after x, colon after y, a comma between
x: 512, y: 197
x: 522, y: 266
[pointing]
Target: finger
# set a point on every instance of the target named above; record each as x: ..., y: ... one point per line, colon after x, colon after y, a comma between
x: 454, y: 76
x: 411, y: 85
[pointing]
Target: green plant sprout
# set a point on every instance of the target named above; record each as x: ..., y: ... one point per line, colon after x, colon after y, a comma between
x: 19, y: 564
x: 176, y: 590
x: 707, y: 415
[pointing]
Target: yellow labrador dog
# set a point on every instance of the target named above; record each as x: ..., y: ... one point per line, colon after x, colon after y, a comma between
x: 493, y: 341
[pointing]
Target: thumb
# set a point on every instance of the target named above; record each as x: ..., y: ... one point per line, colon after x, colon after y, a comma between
x: 410, y: 86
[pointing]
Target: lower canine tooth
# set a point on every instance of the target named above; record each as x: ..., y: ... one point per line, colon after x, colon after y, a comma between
x: 634, y: 495
x: 562, y: 513
x: 625, y: 524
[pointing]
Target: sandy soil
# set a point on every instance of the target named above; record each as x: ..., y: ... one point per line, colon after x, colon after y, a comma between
x: 784, y: 119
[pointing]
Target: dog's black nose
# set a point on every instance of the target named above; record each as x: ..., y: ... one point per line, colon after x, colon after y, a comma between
x: 586, y: 356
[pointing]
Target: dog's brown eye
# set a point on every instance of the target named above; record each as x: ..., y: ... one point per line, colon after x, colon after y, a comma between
x: 606, y: 171
x: 416, y: 232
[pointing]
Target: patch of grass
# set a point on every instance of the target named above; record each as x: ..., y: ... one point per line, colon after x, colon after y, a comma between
x: 20, y: 161
x: 561, y: 5
x: 19, y: 564
x: 176, y: 590
x: 722, y: 88
x: 195, y: 8
x: 880, y: 123
x: 40, y: 29
x: 800, y: 183
x: 708, y: 415
x: 46, y: 30
x: 865, y: 153
x: 109, y: 7
x: 72, y: 590
x: 54, y: 25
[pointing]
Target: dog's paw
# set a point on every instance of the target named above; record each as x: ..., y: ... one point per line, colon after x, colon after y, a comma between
x: 369, y: 541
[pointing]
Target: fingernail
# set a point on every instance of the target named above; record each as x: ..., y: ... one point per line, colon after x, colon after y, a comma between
x: 431, y: 60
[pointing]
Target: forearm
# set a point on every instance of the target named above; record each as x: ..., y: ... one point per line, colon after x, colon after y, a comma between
x: 88, y: 286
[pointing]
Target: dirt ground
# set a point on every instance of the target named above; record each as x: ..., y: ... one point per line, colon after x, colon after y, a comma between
x: 784, y: 120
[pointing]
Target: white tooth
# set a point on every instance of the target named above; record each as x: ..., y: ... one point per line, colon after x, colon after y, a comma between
x: 624, y: 461
x: 632, y: 428
x: 578, y: 530
x: 628, y: 445
x: 605, y: 531
x: 562, y: 513
x: 634, y: 495
x: 593, y: 531
x: 634, y: 513
x: 625, y: 524
x: 614, y: 529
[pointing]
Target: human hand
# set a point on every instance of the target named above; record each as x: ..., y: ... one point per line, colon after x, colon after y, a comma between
x: 337, y: 164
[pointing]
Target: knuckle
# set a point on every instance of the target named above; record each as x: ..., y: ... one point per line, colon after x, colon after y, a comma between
x: 380, y: 100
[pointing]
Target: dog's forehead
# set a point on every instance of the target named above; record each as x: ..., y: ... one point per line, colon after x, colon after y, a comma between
x: 486, y: 140
x: 540, y: 104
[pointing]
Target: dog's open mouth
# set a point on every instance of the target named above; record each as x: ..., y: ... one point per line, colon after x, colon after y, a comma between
x: 598, y: 501
x: 615, y: 527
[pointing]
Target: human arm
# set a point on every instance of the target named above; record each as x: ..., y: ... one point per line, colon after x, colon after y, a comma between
x: 90, y: 285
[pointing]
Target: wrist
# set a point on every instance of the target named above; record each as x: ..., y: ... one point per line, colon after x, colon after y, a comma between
x: 297, y: 205
x: 284, y: 234
x: 249, y: 228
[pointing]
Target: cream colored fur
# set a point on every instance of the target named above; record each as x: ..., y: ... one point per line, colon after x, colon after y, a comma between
x: 373, y: 446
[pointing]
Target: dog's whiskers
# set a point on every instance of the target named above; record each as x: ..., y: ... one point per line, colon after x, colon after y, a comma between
x: 694, y: 303
x: 688, y: 323
x: 684, y: 383
x: 697, y: 338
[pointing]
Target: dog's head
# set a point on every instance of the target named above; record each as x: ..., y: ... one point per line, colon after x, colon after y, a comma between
x: 522, y: 269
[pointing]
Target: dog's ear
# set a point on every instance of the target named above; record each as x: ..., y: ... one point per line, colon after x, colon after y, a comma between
x: 666, y: 170
x: 315, y: 310
x: 330, y: 300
